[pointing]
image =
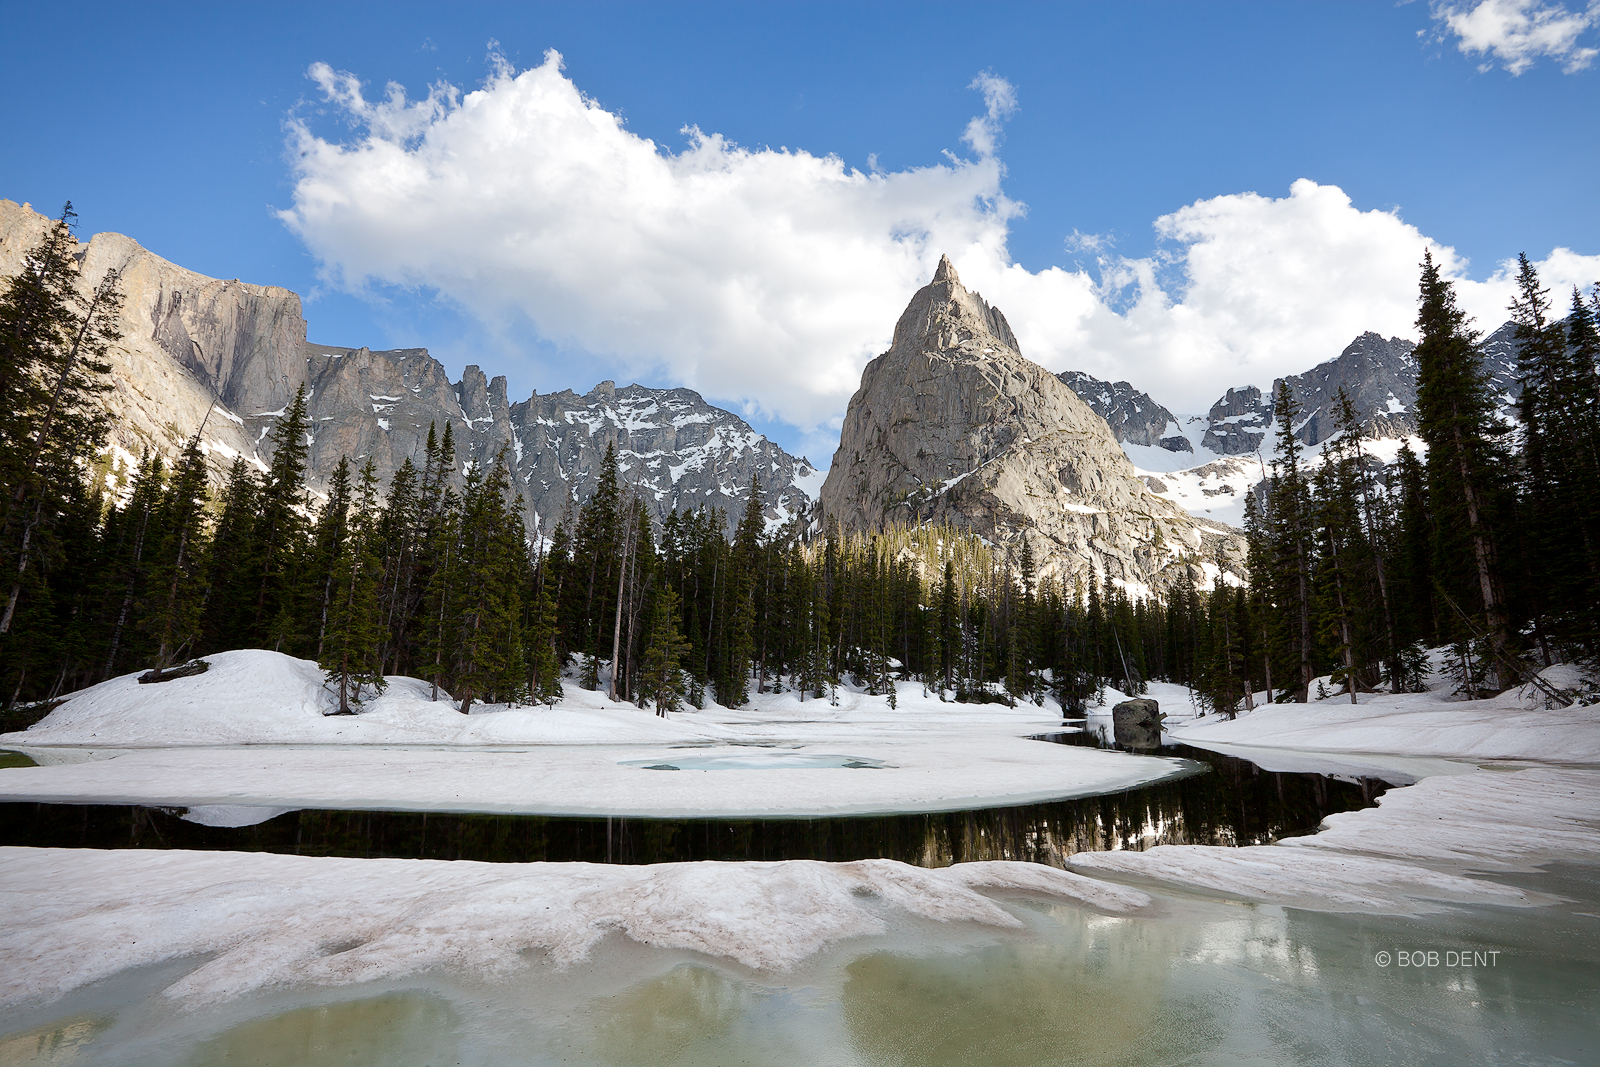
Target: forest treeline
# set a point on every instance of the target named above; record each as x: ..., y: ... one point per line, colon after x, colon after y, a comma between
x: 1486, y: 547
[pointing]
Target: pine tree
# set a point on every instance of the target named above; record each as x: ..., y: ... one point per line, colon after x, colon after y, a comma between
x: 280, y: 530
x: 662, y: 679
x: 544, y: 658
x: 1455, y: 415
x: 348, y: 650
x: 733, y: 691
x: 329, y: 537
x: 53, y: 343
x: 228, y: 613
x: 1290, y: 525
x: 126, y: 567
x: 172, y: 615
x: 485, y: 631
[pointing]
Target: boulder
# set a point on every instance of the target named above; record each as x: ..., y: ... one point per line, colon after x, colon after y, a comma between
x: 1141, y: 711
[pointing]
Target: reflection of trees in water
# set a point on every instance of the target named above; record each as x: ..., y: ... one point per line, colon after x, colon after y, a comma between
x: 1235, y: 803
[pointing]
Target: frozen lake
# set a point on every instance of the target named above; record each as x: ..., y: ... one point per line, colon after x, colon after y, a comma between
x: 816, y: 883
x: 1230, y: 802
x: 1203, y: 983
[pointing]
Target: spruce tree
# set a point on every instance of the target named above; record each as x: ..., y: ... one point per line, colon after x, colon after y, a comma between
x: 348, y: 651
x: 662, y: 679
x: 1290, y: 537
x: 329, y: 538
x: 172, y: 614
x: 1466, y: 486
x: 544, y: 659
x: 228, y: 615
x: 280, y: 530
x: 53, y: 345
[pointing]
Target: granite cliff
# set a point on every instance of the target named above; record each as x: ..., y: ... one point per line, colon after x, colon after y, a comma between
x: 953, y: 424
x: 228, y: 356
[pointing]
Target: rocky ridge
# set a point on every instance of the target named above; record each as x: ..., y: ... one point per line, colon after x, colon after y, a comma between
x: 1232, y: 440
x: 952, y: 424
x: 1133, y: 416
x: 224, y: 358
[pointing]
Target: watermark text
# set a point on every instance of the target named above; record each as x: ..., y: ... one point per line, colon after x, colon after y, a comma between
x: 1435, y: 957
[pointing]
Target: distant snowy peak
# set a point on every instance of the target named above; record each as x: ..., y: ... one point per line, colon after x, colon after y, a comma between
x: 1221, y: 464
x: 1133, y: 416
x: 674, y: 449
x: 1238, y: 422
x: 1380, y: 376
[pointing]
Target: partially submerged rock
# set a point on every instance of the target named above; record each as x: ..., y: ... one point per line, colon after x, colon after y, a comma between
x: 1140, y: 711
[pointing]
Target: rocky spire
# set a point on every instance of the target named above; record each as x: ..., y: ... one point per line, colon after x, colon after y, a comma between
x: 944, y: 313
x: 952, y: 424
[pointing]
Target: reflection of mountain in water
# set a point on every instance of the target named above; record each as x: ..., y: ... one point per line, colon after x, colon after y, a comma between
x: 1234, y: 803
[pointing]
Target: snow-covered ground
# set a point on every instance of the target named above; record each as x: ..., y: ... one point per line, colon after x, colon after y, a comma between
x: 1514, y: 725
x: 251, y: 732
x: 1486, y: 797
x: 1503, y: 787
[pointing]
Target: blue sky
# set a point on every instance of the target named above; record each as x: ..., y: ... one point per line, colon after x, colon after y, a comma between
x: 175, y: 124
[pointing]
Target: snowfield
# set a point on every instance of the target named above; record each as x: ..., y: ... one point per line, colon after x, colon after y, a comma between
x: 251, y: 732
x: 1512, y: 726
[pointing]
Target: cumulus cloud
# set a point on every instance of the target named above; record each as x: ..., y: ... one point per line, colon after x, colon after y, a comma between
x: 768, y: 277
x: 1246, y: 288
x: 765, y: 275
x: 1518, y: 33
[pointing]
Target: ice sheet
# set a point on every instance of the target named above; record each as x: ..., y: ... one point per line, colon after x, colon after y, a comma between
x: 936, y: 774
x: 1411, y: 851
x: 76, y: 916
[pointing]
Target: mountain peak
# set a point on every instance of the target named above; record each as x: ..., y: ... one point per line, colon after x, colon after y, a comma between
x: 945, y: 315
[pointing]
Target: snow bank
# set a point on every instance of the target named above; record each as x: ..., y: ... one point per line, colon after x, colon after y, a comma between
x: 1408, y: 854
x: 1302, y: 878
x: 77, y: 916
x: 1484, y: 821
x: 253, y: 696
x: 1420, y: 724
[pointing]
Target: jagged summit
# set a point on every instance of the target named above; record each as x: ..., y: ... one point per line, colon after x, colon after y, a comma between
x: 944, y: 314
x: 953, y: 424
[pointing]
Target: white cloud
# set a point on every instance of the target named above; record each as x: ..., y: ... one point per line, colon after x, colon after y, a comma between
x: 1249, y: 288
x: 1519, y: 32
x: 769, y: 277
x: 757, y: 274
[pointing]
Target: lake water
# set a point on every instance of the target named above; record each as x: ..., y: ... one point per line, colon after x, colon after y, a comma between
x: 1232, y: 803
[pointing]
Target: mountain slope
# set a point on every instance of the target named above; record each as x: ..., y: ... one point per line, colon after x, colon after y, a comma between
x: 953, y: 424
x: 227, y: 356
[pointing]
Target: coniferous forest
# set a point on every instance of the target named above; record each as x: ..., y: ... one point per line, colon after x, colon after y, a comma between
x: 1486, y: 541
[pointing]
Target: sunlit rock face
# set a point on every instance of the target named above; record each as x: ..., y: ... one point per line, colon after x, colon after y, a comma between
x: 952, y: 424
x: 223, y: 359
